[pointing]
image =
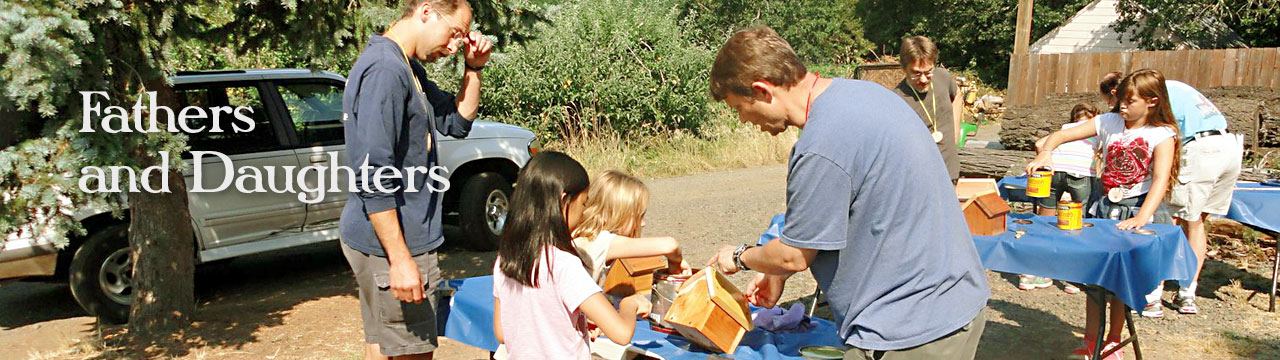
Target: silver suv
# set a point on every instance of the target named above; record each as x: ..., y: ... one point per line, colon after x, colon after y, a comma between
x: 299, y: 121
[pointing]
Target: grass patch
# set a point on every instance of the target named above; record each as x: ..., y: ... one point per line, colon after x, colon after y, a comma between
x: 725, y: 145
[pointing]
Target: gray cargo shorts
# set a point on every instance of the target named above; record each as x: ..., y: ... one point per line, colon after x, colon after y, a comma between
x: 399, y: 328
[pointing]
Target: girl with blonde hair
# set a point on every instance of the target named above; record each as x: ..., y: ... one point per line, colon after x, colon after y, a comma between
x: 611, y: 225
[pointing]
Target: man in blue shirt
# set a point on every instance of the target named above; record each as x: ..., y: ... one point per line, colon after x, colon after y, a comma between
x: 391, y: 227
x: 871, y: 211
x: 1210, y: 166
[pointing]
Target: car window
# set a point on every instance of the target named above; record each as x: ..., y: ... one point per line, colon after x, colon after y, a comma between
x: 316, y: 111
x: 228, y: 141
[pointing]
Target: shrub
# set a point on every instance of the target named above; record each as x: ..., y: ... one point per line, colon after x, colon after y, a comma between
x: 623, y: 67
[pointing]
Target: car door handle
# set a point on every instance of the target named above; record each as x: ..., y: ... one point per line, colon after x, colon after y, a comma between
x: 318, y: 158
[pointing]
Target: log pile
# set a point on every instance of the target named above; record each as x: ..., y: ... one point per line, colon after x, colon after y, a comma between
x: 1251, y: 111
x: 995, y: 164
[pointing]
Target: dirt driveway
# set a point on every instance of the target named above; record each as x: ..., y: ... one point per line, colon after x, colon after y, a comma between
x: 300, y: 303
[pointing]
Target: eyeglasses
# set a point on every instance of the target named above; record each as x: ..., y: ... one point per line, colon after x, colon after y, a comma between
x: 459, y: 32
x: 921, y: 75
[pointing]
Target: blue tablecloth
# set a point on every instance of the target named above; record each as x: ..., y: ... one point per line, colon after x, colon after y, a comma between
x: 1129, y: 265
x: 469, y: 319
x: 1014, y: 188
x: 1256, y: 205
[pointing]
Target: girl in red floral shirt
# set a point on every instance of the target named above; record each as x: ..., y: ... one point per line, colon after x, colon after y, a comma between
x: 1140, y: 148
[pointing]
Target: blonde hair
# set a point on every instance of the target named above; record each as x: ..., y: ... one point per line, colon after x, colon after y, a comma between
x: 616, y: 203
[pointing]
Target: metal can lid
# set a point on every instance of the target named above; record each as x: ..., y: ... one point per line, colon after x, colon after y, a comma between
x: 822, y: 352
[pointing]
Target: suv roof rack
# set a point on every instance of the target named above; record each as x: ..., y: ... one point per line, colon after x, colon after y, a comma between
x: 210, y: 72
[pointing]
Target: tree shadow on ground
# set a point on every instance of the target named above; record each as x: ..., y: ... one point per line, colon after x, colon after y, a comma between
x: 27, y: 303
x: 1034, y: 334
x: 1218, y: 274
x: 237, y: 298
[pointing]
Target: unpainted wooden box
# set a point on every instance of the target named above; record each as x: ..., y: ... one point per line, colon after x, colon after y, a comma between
x: 630, y: 276
x: 710, y: 312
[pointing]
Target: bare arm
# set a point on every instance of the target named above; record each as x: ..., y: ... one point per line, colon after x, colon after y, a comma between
x: 1081, y: 132
x: 1162, y: 168
x: 619, y: 325
x: 406, y: 281
x: 774, y: 258
x: 497, y: 321
x: 957, y: 112
x: 476, y: 55
x: 623, y: 247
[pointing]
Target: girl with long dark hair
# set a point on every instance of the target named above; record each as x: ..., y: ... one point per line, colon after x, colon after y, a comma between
x: 543, y: 294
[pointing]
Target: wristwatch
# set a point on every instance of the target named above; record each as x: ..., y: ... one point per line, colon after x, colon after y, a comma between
x: 469, y: 67
x: 737, y: 257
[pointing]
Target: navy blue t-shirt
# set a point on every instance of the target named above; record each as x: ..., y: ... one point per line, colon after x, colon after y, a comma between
x: 869, y: 190
x: 389, y: 121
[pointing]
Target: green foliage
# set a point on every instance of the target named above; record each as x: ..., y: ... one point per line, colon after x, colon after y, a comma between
x: 821, y: 32
x: 1166, y: 24
x: 52, y: 50
x: 971, y: 34
x: 620, y: 66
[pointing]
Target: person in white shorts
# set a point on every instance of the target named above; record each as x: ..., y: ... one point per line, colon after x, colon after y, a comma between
x: 1207, y: 176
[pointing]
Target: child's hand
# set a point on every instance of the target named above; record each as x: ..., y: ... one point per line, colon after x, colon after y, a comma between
x: 1133, y: 223
x: 643, y: 306
x: 679, y: 269
x: 594, y: 331
x: 1043, y: 159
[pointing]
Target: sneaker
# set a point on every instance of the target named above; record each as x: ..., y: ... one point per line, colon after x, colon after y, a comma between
x: 1153, y: 310
x: 1084, y: 352
x: 1187, y: 306
x: 1118, y: 355
x: 1029, y: 282
x: 1070, y: 289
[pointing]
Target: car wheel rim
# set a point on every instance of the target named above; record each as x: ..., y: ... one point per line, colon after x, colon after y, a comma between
x: 495, y: 211
x: 116, y: 277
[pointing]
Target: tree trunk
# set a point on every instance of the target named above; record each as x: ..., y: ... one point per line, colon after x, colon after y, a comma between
x: 990, y: 163
x: 163, y: 246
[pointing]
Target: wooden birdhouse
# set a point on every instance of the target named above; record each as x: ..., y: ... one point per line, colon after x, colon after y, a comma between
x: 630, y: 276
x: 711, y: 312
x: 986, y: 213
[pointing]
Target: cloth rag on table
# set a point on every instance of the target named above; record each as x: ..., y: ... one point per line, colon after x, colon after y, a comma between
x: 779, y: 320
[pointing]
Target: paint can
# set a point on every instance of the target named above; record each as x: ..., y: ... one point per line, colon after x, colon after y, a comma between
x: 1070, y: 215
x: 1039, y: 182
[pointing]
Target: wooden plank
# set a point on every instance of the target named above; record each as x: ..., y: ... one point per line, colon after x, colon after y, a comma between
x: 1242, y: 56
x: 1025, y: 70
x: 1253, y: 68
x: 1061, y: 75
x: 1214, y: 68
x: 1267, y: 75
x: 1229, y: 58
x: 1041, y: 77
x: 1013, y: 83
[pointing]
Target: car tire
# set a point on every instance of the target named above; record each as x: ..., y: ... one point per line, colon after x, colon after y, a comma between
x: 101, y: 275
x: 483, y: 206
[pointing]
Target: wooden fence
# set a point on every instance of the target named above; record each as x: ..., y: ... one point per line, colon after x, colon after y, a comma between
x: 1033, y: 76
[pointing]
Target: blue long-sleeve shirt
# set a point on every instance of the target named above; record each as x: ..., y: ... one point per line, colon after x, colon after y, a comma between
x: 391, y: 123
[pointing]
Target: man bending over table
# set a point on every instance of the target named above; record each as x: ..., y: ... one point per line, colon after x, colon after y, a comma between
x: 870, y: 208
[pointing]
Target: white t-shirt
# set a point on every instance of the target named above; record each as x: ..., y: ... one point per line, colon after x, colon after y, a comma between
x: 595, y: 252
x: 1127, y: 153
x: 545, y: 322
